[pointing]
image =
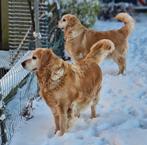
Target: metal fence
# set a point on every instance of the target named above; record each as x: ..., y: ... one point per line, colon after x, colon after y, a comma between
x: 13, y: 77
x: 12, y: 85
x: 18, y: 83
x: 17, y: 86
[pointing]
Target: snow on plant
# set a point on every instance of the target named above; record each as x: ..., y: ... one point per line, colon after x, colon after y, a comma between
x: 85, y: 10
x: 51, y: 2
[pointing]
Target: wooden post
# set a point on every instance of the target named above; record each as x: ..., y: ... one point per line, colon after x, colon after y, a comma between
x: 4, y: 24
x: 37, y: 30
x: 3, y: 133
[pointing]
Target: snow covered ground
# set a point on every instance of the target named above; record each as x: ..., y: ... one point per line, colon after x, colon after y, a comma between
x: 122, y: 110
x: 4, y: 59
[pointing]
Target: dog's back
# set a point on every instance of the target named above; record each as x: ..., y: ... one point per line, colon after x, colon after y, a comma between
x: 78, y: 46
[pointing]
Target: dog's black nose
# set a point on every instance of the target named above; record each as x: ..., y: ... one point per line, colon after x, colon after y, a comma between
x: 23, y: 64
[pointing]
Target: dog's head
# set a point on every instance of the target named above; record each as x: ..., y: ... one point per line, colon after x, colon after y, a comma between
x: 40, y: 58
x: 68, y: 20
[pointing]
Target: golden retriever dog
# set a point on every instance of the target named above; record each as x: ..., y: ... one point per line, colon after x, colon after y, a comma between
x: 68, y: 88
x: 79, y: 39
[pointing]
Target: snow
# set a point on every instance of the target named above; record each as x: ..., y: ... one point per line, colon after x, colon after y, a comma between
x: 3, y: 117
x: 122, y: 113
x: 15, y: 107
x: 4, y: 59
x: 13, y: 77
x: 39, y: 125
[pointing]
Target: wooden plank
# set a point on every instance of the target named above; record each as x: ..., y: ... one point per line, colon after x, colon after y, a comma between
x: 18, y: 35
x: 19, y: 14
x: 16, y: 29
x: 18, y: 11
x: 20, y: 22
x: 16, y: 43
x: 140, y: 8
x: 4, y: 24
x: 18, y: 3
x: 14, y: 25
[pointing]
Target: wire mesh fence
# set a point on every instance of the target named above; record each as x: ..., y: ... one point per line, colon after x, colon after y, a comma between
x: 50, y: 37
x: 17, y: 85
x: 13, y: 77
x: 15, y: 107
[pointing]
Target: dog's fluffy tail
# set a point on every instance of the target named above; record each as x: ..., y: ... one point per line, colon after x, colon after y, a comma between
x: 100, y: 50
x: 129, y: 23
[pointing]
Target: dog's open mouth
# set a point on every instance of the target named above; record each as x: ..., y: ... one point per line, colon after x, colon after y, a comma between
x: 62, y: 29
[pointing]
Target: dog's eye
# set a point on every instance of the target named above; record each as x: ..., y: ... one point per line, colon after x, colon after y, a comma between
x: 34, y: 57
x: 64, y: 20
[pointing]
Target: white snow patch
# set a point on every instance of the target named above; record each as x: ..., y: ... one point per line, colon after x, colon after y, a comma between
x: 36, y: 130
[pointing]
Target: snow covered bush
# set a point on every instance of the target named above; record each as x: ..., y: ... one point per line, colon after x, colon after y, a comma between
x: 109, y: 10
x: 86, y: 10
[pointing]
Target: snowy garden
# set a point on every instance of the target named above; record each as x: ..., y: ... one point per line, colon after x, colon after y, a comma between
x: 121, y: 112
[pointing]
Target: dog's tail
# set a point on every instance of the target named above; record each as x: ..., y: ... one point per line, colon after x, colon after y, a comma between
x: 129, y: 23
x: 100, y: 50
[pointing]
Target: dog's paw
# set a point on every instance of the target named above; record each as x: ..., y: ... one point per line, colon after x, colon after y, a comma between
x: 59, y: 133
x: 94, y: 116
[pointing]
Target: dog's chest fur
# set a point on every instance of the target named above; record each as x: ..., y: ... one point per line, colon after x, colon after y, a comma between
x: 73, y: 48
x: 78, y: 46
x: 51, y: 83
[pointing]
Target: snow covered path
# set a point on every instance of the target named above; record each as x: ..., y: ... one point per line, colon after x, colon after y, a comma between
x: 122, y: 110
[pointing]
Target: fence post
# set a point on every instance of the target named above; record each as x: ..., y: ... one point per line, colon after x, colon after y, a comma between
x: 37, y: 30
x: 3, y: 132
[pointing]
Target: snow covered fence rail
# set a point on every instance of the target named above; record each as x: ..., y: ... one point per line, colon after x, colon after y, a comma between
x: 7, y: 84
x: 13, y: 77
x: 9, y: 88
x: 3, y: 134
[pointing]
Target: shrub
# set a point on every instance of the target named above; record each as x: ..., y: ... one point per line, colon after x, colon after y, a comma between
x: 86, y: 10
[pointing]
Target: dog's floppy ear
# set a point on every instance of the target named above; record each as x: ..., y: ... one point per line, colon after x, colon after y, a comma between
x: 72, y: 21
x: 45, y: 57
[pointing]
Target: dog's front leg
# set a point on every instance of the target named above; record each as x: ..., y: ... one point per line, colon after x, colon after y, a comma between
x: 120, y: 60
x: 76, y: 110
x: 56, y: 118
x: 94, y: 103
x: 62, y: 119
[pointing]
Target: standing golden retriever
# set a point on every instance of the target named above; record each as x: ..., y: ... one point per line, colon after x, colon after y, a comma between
x: 67, y: 88
x: 79, y: 39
